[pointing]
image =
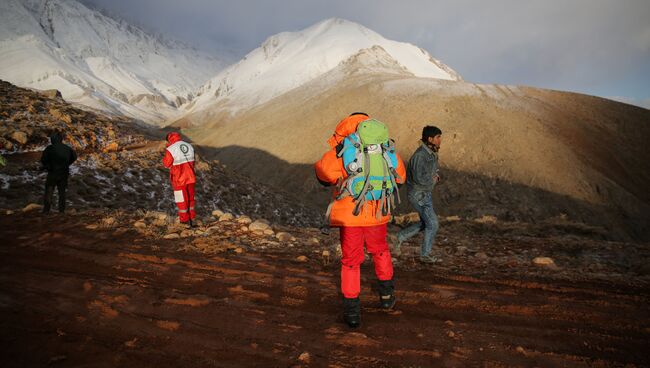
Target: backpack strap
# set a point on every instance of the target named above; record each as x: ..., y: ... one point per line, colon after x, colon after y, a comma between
x: 361, y: 198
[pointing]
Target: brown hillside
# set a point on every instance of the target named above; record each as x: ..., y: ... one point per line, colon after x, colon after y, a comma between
x: 515, y: 152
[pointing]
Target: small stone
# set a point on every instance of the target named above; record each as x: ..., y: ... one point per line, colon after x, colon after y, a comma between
x: 453, y: 218
x: 305, y: 357
x: 451, y: 334
x: 139, y: 224
x: 217, y: 213
x: 109, y: 221
x: 487, y: 219
x: 32, y: 207
x: 186, y: 233
x: 19, y: 137
x: 520, y: 349
x: 301, y: 259
x: 161, y: 216
x: 244, y: 228
x: 9, y: 212
x: 239, y: 250
x: 481, y: 255
x: 283, y: 237
x: 543, y: 262
x: 244, y: 220
x: 92, y: 226
x: 226, y: 217
x: 171, y: 236
x: 314, y: 241
x: 461, y: 249
x: 326, y: 253
x: 259, y: 226
x: 268, y: 232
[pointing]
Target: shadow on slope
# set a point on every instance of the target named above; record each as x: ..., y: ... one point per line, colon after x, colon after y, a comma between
x: 463, y: 194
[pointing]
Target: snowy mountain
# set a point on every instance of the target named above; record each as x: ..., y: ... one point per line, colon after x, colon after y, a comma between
x: 290, y: 59
x: 97, y: 61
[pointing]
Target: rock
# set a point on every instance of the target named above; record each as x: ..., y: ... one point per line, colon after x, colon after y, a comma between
x: 543, y: 262
x: 186, y: 233
x: 217, y: 213
x: 314, y: 241
x: 481, y: 255
x: 171, y: 236
x: 520, y: 349
x: 451, y: 334
x: 460, y: 250
x: 159, y: 222
x: 92, y: 226
x: 259, y: 226
x: 487, y: 219
x: 9, y: 212
x: 305, y: 357
x: 32, y: 207
x: 452, y: 218
x: 283, y: 237
x: 111, y: 147
x: 19, y: 137
x: 268, y: 232
x: 52, y: 93
x: 243, y: 228
x: 8, y: 145
x: 326, y: 253
x: 139, y: 224
x: 244, y: 220
x: 302, y: 259
x: 239, y: 250
x: 109, y: 221
x: 226, y: 217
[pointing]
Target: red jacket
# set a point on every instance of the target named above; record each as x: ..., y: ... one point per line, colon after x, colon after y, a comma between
x: 179, y: 157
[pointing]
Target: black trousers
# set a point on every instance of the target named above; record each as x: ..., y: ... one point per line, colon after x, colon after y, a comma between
x: 60, y: 181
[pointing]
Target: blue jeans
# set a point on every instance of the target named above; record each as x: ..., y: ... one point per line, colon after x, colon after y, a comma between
x: 423, y: 203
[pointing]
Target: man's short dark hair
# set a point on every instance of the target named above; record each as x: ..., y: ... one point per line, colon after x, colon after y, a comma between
x: 430, y: 131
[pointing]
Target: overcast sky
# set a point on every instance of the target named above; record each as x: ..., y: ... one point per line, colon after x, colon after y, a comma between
x: 598, y: 47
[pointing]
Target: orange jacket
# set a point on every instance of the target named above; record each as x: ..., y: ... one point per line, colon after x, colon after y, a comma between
x: 329, y: 170
x: 179, y: 158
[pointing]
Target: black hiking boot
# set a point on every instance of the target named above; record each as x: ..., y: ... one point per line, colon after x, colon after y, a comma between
x: 352, y: 312
x: 386, y: 294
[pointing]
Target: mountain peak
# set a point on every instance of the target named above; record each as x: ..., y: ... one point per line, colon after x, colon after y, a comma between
x: 289, y: 59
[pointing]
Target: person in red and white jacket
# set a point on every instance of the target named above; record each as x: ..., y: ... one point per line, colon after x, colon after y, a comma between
x: 179, y: 158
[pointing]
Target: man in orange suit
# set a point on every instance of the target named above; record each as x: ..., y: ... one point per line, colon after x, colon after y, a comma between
x: 368, y: 227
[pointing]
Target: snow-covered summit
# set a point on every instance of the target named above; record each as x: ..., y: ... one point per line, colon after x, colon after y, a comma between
x: 290, y: 59
x: 98, y: 61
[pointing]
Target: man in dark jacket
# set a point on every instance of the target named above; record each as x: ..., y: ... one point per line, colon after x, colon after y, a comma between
x: 56, y: 159
x: 421, y: 177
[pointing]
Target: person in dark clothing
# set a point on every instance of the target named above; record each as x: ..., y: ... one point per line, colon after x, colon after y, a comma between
x: 421, y: 177
x: 56, y: 159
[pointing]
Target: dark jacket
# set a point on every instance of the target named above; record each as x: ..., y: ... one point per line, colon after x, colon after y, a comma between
x: 422, y: 168
x: 58, y: 157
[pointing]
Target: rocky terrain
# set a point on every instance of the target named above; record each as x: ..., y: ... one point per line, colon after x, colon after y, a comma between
x: 119, y: 165
x: 116, y: 281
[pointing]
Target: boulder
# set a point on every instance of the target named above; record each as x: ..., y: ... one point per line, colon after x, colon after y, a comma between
x: 244, y: 220
x: 302, y: 259
x: 226, y: 217
x: 19, y: 137
x: 52, y: 93
x: 544, y: 262
x: 283, y: 237
x: 259, y: 226
x: 32, y: 207
x: 217, y: 213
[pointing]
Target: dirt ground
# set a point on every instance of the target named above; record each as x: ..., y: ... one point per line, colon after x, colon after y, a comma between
x: 78, y: 296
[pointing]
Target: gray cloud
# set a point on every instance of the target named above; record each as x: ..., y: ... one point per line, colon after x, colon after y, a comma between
x: 599, y: 47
